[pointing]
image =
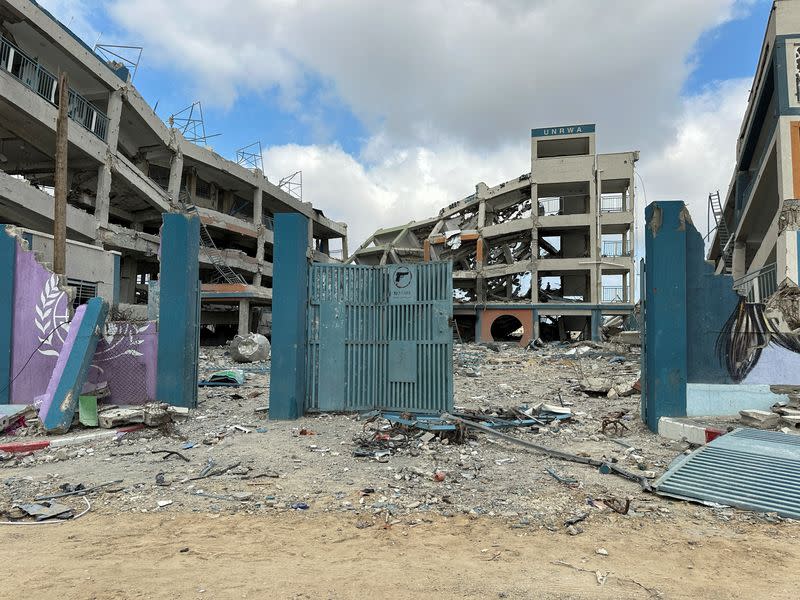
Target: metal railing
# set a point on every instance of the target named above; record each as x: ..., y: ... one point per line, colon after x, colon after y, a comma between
x: 758, y: 285
x: 550, y: 206
x: 612, y: 203
x: 612, y: 293
x: 614, y: 248
x: 45, y: 84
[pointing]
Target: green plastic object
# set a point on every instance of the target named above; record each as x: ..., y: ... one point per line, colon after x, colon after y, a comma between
x: 87, y: 411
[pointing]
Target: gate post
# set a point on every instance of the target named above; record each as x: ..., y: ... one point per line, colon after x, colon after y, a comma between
x: 179, y: 311
x: 287, y: 383
x: 8, y: 258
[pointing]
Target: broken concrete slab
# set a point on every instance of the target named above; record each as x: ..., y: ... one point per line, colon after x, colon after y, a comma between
x: 72, y: 367
x: 760, y: 419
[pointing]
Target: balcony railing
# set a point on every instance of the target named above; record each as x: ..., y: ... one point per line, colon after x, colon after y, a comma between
x: 614, y: 248
x: 613, y: 293
x: 758, y: 285
x: 549, y: 206
x: 40, y: 80
x: 612, y: 203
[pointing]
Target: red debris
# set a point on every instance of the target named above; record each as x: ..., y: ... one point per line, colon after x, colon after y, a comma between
x: 28, y: 446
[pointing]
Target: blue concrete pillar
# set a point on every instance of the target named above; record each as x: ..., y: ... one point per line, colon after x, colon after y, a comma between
x: 597, y: 319
x: 72, y: 366
x: 287, y: 384
x: 665, y: 307
x: 179, y: 311
x: 8, y: 260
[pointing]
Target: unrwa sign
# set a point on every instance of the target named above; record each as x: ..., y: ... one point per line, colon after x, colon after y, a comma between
x: 565, y: 130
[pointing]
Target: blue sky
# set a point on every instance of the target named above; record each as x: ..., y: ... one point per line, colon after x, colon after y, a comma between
x: 393, y: 110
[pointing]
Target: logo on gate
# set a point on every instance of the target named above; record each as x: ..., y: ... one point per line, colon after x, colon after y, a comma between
x: 402, y: 277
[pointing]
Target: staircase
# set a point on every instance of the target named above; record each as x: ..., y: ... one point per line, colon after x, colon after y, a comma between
x: 456, y: 334
x: 715, y: 204
x: 226, y: 274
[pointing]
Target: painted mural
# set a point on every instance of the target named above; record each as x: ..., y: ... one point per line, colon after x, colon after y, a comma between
x: 759, y: 343
x: 126, y: 354
x: 41, y: 324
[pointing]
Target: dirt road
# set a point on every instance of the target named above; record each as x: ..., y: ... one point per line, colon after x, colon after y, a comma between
x: 304, y: 555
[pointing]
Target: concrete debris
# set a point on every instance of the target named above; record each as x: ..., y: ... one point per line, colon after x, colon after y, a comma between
x: 596, y: 386
x: 230, y: 471
x: 760, y: 419
x: 252, y: 347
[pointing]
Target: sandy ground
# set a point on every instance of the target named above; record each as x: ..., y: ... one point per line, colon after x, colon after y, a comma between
x: 495, y: 527
x: 302, y: 555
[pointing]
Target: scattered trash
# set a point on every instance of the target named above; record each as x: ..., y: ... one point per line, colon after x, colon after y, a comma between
x: 300, y: 506
x: 226, y: 378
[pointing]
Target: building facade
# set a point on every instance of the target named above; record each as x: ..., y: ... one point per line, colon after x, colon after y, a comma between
x: 755, y: 236
x: 126, y: 167
x: 550, y: 251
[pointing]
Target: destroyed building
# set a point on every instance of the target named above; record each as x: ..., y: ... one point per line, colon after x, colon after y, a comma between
x: 550, y: 252
x: 755, y: 224
x: 126, y: 168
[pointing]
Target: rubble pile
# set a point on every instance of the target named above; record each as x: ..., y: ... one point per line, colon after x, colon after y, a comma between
x: 577, y: 400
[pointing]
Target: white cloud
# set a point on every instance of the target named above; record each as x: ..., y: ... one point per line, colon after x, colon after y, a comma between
x: 699, y: 157
x: 396, y: 185
x: 448, y: 90
x: 478, y: 72
x: 406, y: 184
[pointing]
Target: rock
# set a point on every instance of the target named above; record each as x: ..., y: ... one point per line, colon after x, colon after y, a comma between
x: 760, y: 419
x: 574, y: 530
x: 601, y: 552
x: 249, y: 348
x: 163, y: 503
x: 242, y: 496
x: 612, y: 393
x: 595, y: 385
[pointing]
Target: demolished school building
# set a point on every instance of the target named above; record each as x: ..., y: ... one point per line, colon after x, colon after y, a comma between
x: 126, y: 168
x: 550, y: 252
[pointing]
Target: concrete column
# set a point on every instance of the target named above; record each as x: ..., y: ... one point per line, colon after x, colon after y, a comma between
x: 103, y: 190
x: 597, y: 319
x: 175, y: 174
x: 787, y: 252
x: 244, y: 316
x: 258, y: 200
x: 127, y: 285
x: 739, y: 259
x: 102, y: 203
x: 345, y: 254
x: 595, y: 279
x: 114, y: 113
x: 261, y: 241
x: 289, y: 314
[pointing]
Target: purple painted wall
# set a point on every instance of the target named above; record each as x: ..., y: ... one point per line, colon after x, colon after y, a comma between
x: 125, y: 357
x: 41, y: 315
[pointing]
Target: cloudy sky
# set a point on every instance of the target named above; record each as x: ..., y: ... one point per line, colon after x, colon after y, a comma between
x: 395, y: 109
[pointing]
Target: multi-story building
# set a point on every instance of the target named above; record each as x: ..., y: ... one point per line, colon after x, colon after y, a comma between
x: 756, y: 223
x: 550, y: 252
x: 126, y: 167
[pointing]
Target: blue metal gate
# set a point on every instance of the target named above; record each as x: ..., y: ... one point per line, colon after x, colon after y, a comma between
x: 380, y: 338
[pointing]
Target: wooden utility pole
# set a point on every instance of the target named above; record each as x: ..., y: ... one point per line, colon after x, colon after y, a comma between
x: 60, y: 185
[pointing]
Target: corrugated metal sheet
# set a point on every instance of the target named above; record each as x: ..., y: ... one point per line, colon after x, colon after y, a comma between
x: 380, y: 337
x: 747, y: 468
